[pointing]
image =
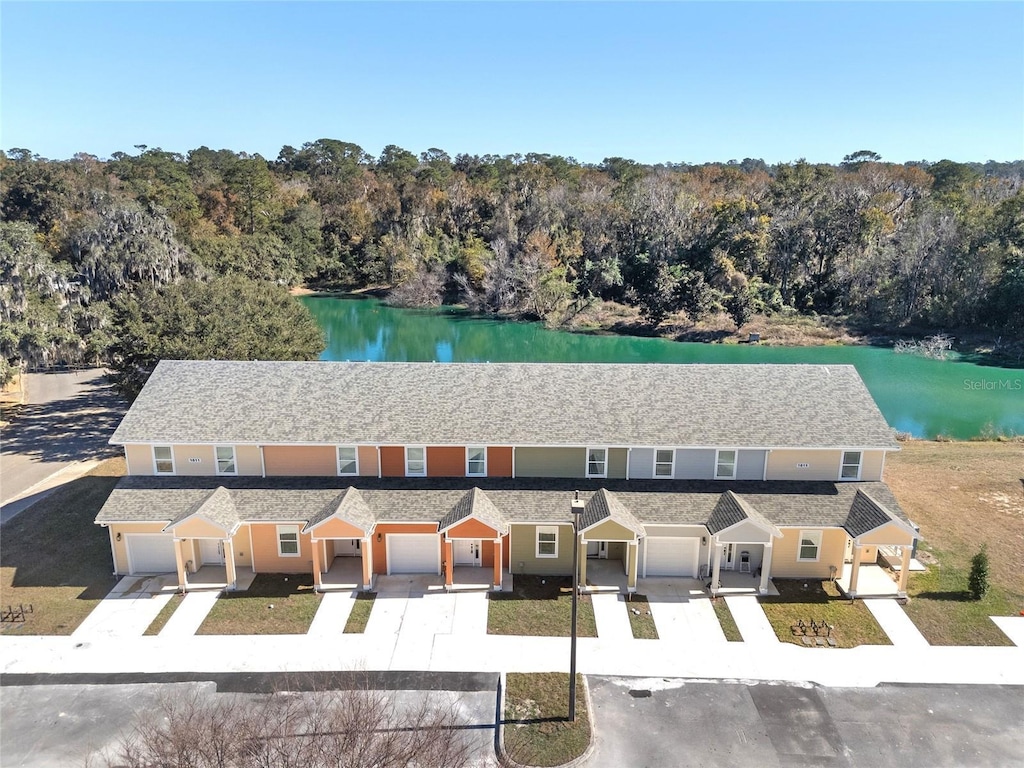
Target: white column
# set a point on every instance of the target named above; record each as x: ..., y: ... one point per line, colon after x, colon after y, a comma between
x: 716, y: 566
x: 854, y: 570
x: 229, y: 564
x: 766, y: 568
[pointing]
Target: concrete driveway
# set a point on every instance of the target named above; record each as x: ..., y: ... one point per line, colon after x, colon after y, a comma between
x: 682, y: 611
x: 664, y: 723
x: 129, y: 608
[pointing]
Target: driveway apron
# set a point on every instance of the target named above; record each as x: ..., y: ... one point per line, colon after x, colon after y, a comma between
x: 128, y: 610
x: 190, y: 615
x: 751, y: 621
x: 681, y: 615
x: 610, y: 616
x: 895, y: 623
x: 425, y: 617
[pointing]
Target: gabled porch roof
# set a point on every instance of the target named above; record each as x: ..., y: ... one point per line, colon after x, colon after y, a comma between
x: 602, y: 507
x: 732, y: 511
x: 475, y: 504
x: 216, y: 509
x: 868, y: 515
x: 348, y: 507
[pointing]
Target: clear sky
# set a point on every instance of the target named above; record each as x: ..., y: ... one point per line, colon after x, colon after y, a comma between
x: 662, y: 82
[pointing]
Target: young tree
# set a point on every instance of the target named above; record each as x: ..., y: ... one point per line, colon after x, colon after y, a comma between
x: 977, y: 582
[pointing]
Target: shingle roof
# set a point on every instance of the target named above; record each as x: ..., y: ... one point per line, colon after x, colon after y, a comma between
x: 604, y: 505
x: 866, y: 515
x: 217, y: 507
x: 475, y: 503
x: 771, y: 406
x: 350, y: 506
x: 531, y: 500
x: 731, y: 510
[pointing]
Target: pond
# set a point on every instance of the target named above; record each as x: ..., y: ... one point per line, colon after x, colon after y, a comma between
x: 917, y: 395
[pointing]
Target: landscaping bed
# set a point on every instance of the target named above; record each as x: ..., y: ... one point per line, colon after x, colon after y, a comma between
x: 539, y: 606
x: 56, y: 559
x: 536, y: 729
x: 821, y: 602
x: 275, y: 604
x: 641, y: 619
x: 360, y: 614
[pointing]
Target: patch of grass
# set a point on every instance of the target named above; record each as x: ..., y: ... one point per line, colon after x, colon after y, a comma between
x: 943, y: 610
x: 821, y: 601
x: 537, y: 729
x: 56, y: 559
x: 294, y: 604
x: 539, y: 606
x: 641, y: 623
x: 360, y: 615
x: 165, y: 613
x: 729, y: 628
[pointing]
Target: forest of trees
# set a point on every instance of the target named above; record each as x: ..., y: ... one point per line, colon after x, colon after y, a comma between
x: 935, y: 245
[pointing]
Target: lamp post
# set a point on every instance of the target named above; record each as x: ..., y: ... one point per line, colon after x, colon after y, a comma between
x: 577, y: 510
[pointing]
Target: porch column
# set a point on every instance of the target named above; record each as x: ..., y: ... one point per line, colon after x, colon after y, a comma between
x: 229, y: 564
x: 179, y: 559
x: 318, y: 580
x: 367, y: 563
x: 904, y: 570
x: 854, y: 570
x: 498, y: 565
x: 583, y: 563
x: 449, y: 565
x: 716, y: 566
x: 766, y: 568
x: 632, y: 564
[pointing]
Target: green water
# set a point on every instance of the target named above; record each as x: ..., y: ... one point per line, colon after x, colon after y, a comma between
x: 920, y: 396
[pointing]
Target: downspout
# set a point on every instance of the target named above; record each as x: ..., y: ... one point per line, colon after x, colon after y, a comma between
x: 113, y: 553
x: 629, y: 454
x: 263, y: 464
x: 379, y: 469
x: 513, y: 464
x: 764, y: 475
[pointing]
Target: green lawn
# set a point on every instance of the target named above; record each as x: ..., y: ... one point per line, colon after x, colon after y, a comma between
x: 360, y: 612
x: 275, y: 604
x: 56, y: 559
x: 821, y: 601
x: 537, y: 730
x: 539, y: 606
x: 945, y: 613
x: 732, y: 632
x: 641, y: 620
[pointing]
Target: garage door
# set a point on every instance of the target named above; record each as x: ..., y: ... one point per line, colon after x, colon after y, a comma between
x: 670, y: 556
x: 414, y: 553
x: 151, y: 554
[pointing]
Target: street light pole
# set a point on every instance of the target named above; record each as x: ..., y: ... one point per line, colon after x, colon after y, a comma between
x: 577, y: 510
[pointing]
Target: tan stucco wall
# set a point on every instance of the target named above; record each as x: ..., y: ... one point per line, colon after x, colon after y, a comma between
x: 367, y: 460
x: 300, y: 460
x: 248, y: 461
x: 609, y: 530
x: 551, y: 462
x: 139, y: 459
x: 197, y: 528
x: 871, y: 466
x: 889, y: 535
x: 264, y: 551
x: 121, y: 547
x: 823, y: 465
x: 240, y: 546
x: 523, y: 550
x: 617, y: 462
x: 183, y: 467
x: 784, y: 554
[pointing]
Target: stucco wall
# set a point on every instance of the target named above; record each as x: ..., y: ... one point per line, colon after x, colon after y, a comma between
x: 499, y: 461
x: 641, y: 463
x: 264, y: 551
x: 617, y: 462
x: 695, y: 464
x: 446, y: 461
x: 551, y: 462
x: 392, y: 461
x: 121, y: 547
x: 248, y: 460
x: 822, y: 465
x: 367, y: 460
x: 380, y: 554
x: 300, y: 460
x: 523, y: 548
x: 784, y: 554
x: 750, y: 465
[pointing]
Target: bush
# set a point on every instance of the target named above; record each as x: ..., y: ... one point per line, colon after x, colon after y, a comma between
x: 977, y: 582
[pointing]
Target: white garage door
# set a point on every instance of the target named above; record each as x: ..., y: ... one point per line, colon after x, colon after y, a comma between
x: 414, y: 553
x: 151, y: 554
x: 669, y: 556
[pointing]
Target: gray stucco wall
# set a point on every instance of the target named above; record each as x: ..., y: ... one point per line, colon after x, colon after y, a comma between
x: 750, y: 465
x: 695, y: 463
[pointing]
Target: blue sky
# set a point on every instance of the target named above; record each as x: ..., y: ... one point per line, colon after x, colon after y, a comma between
x: 663, y: 82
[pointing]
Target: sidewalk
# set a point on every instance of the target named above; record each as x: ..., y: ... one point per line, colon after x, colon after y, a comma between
x: 895, y: 623
x: 751, y: 621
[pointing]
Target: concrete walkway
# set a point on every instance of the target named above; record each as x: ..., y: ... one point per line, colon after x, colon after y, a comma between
x: 128, y: 610
x: 751, y: 621
x: 333, y: 613
x: 189, y: 616
x: 610, y: 616
x: 895, y: 623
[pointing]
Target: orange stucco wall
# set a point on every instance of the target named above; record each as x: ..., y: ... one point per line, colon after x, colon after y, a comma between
x: 380, y: 557
x: 392, y: 461
x: 499, y: 461
x: 301, y: 460
x: 446, y: 461
x: 471, y: 529
x: 264, y: 551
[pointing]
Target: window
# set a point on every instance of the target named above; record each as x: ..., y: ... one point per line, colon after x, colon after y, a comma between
x: 851, y: 466
x: 288, y: 540
x: 476, y: 461
x: 547, y: 541
x: 597, y: 462
x: 163, y: 460
x: 663, y: 462
x: 415, y: 461
x: 725, y: 465
x: 810, y: 545
x: 348, y: 460
x: 226, y: 460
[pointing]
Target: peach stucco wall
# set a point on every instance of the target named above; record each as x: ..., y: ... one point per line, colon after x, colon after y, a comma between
x: 301, y: 460
x: 248, y: 461
x: 367, y: 460
x: 264, y: 550
x: 392, y: 461
x: 446, y: 461
x: 380, y: 557
x: 471, y: 529
x: 336, y: 528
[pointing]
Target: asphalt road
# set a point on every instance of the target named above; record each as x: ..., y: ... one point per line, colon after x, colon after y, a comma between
x: 68, y: 418
x: 659, y: 723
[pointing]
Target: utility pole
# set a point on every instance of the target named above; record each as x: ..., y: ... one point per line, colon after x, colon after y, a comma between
x: 577, y: 510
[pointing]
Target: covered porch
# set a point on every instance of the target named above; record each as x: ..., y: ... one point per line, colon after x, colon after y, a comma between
x: 472, y: 551
x: 204, y: 550
x: 741, y: 548
x: 871, y: 526
x: 341, y: 535
x: 609, y: 538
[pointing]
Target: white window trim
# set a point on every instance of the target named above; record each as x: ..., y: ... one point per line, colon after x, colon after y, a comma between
x: 735, y: 462
x: 587, y: 460
x: 234, y: 459
x: 671, y: 465
x: 545, y: 529
x: 337, y: 460
x: 174, y: 469
x: 476, y: 474
x: 843, y: 464
x: 416, y: 474
x: 298, y: 544
x: 814, y: 536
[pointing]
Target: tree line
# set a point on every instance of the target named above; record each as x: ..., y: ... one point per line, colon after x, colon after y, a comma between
x: 87, y: 243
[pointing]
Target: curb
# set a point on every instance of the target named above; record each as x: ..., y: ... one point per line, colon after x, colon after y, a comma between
x: 499, y: 732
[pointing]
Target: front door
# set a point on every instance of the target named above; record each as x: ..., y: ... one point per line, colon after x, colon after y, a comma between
x: 211, y: 551
x: 729, y: 558
x: 347, y: 548
x: 466, y: 551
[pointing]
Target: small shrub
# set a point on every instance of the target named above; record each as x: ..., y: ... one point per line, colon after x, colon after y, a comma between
x: 977, y: 582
